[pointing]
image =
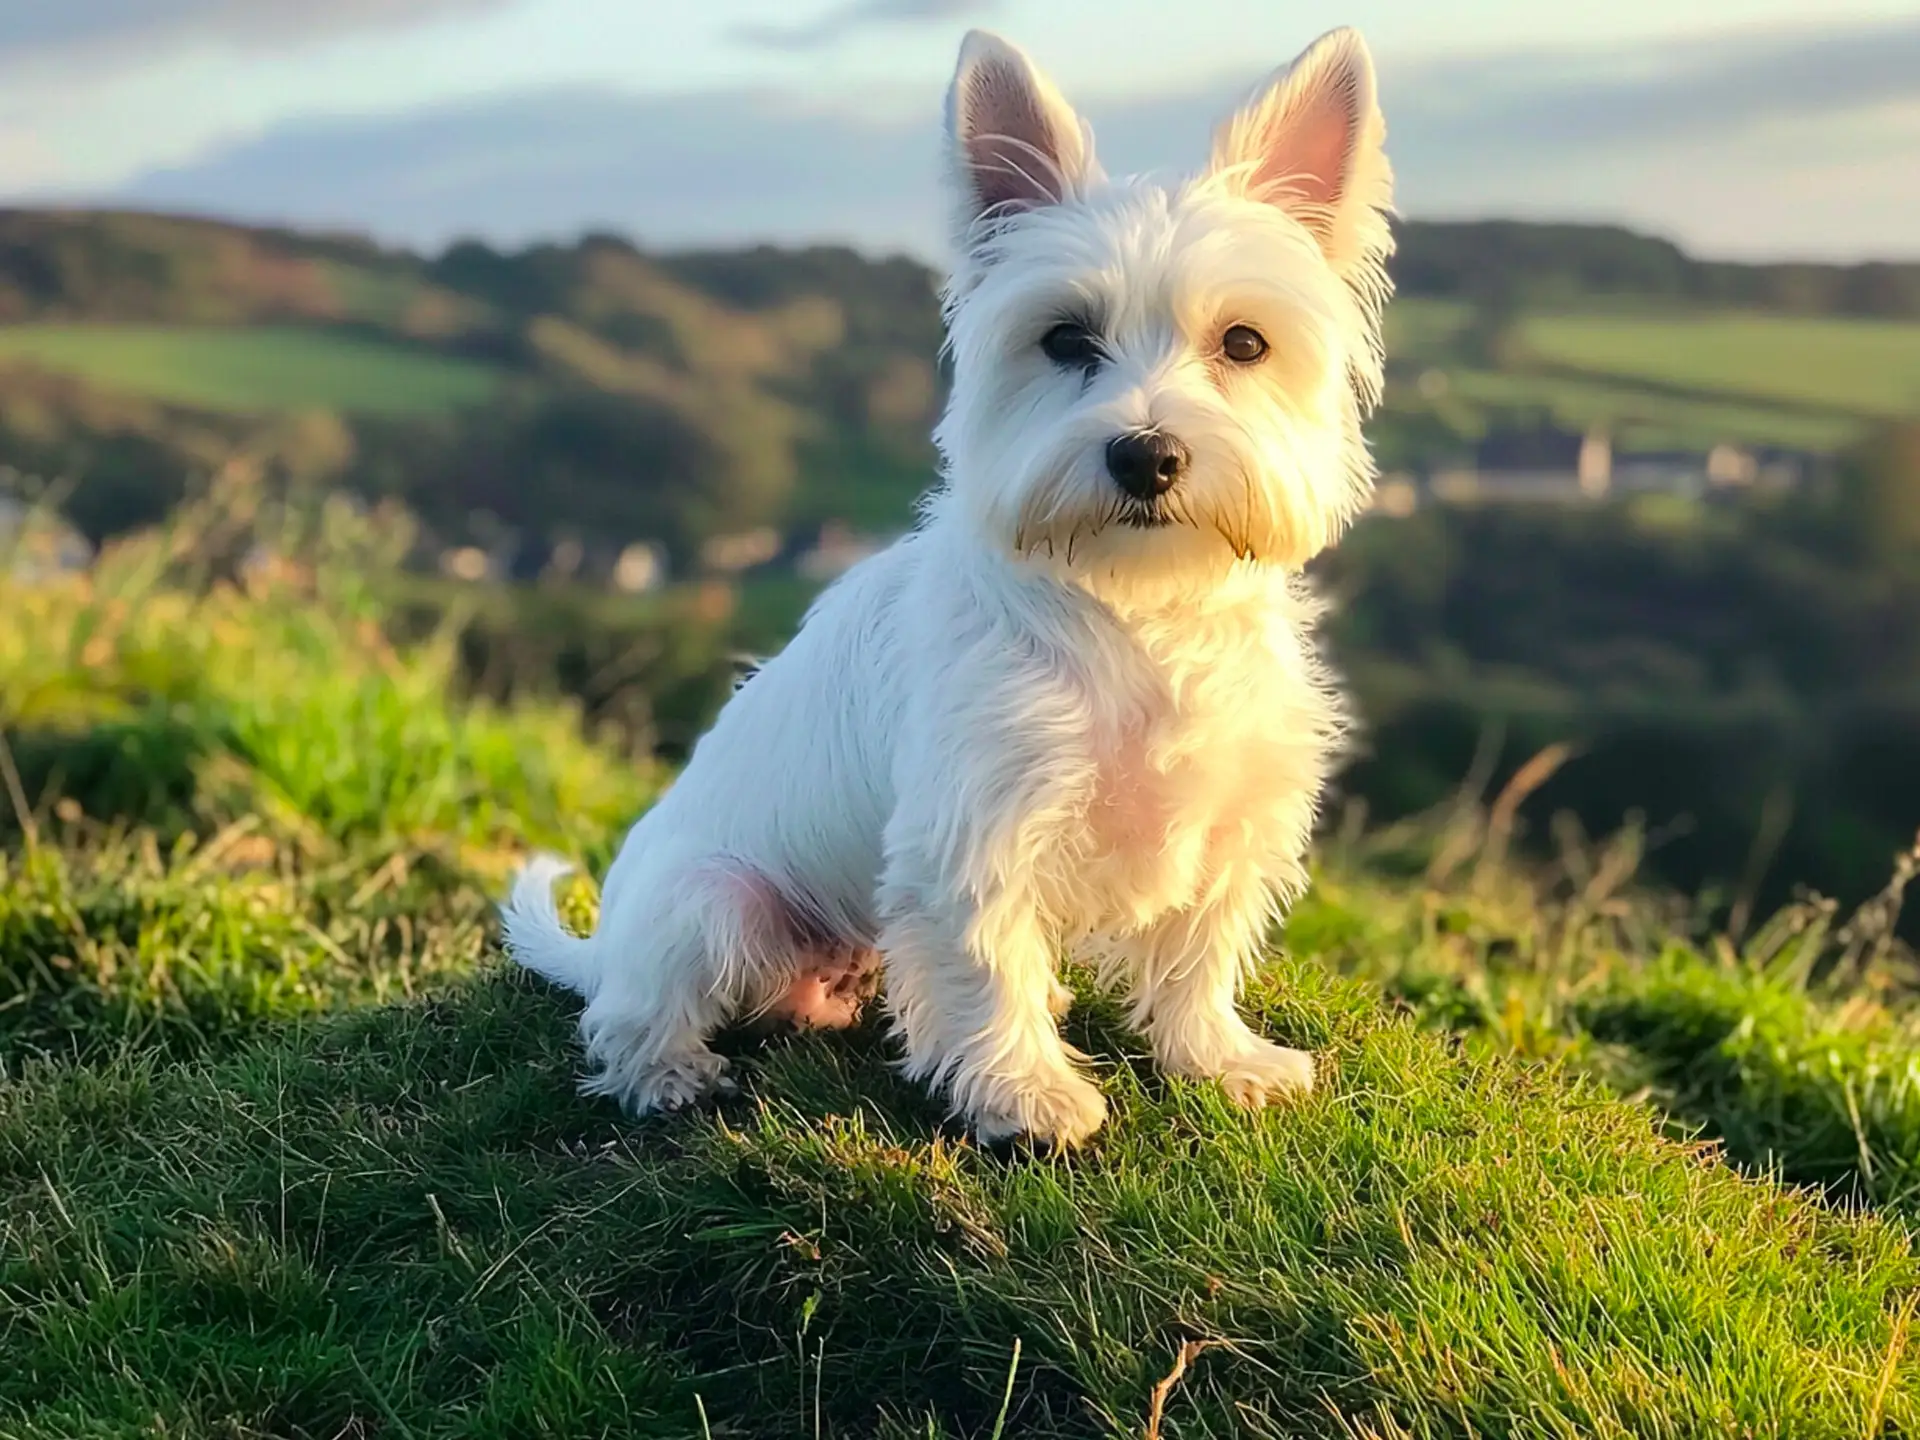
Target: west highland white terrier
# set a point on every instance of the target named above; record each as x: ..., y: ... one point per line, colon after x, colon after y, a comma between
x: 1079, y: 709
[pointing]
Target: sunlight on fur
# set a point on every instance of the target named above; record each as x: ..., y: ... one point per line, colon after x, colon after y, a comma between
x: 1080, y: 709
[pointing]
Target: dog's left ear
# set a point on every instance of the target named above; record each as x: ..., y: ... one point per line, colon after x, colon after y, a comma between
x: 1312, y: 142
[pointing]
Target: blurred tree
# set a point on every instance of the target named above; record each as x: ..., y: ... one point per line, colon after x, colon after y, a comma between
x: 1878, y: 494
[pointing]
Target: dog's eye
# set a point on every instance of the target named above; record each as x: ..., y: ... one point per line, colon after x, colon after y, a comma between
x: 1071, y: 343
x: 1243, y: 344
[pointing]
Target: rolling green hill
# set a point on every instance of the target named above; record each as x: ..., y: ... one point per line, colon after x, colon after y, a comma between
x: 254, y: 368
x: 1868, y: 368
x: 1655, y: 377
x: 584, y: 389
x: 597, y: 391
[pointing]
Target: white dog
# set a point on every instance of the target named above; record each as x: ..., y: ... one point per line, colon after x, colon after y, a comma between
x: 1080, y: 707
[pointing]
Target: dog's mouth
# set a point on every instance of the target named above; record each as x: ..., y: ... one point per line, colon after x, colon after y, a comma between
x: 1146, y: 515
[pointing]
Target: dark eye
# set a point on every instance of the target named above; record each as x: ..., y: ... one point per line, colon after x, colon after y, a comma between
x: 1243, y: 344
x: 1071, y: 343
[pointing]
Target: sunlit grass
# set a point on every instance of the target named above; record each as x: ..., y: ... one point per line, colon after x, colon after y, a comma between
x: 1857, y: 367
x: 285, y: 1150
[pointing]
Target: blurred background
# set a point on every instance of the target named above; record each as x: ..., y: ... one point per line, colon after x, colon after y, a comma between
x: 621, y: 316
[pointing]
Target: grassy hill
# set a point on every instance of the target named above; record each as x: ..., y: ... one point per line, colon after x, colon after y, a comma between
x: 254, y: 368
x: 1869, y: 368
x: 285, y: 1150
x: 597, y: 392
x: 1656, y: 378
x: 586, y: 390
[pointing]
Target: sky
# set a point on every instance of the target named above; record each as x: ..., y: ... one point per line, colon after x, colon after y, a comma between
x: 1742, y: 128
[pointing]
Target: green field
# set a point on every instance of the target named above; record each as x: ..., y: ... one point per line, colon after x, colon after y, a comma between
x: 1647, y: 418
x: 1861, y: 367
x: 1685, y: 380
x: 285, y: 1150
x: 253, y: 368
x: 1420, y: 329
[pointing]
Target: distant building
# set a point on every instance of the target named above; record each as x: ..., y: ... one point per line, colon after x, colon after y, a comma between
x: 1559, y: 467
x: 1467, y: 486
x: 730, y: 554
x: 641, y: 566
x: 1593, y: 468
x: 837, y: 550
x: 466, y: 562
x: 1731, y: 465
x: 1397, y: 496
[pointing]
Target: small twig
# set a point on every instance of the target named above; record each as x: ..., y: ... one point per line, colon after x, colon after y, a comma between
x: 1505, y: 812
x: 17, y: 793
x: 1189, y: 1352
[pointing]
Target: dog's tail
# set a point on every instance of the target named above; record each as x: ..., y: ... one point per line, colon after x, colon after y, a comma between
x: 534, y: 935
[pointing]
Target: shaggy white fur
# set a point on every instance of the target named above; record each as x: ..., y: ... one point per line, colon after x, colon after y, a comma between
x: 1080, y: 707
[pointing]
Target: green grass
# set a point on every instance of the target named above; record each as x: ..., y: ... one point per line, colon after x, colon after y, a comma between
x: 406, y: 1219
x: 1671, y: 381
x: 253, y: 368
x: 1857, y: 367
x: 1647, y: 419
x: 1419, y: 328
x: 285, y: 1150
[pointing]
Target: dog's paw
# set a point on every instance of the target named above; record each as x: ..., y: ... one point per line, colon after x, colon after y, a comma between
x: 1058, y: 1112
x: 664, y: 1085
x: 1264, y: 1072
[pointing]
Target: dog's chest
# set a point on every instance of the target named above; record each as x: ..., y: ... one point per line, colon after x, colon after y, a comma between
x: 1206, y: 763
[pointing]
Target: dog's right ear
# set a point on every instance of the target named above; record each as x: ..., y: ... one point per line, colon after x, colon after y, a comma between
x: 1013, y: 144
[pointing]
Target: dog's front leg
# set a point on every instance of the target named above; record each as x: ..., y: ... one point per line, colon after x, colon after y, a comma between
x: 1185, y: 973
x: 970, y: 982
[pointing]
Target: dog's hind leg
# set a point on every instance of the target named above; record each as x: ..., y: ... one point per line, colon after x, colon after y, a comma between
x: 707, y: 937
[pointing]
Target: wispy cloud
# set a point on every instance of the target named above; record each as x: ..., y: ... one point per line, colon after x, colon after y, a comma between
x: 856, y: 15
x: 38, y: 28
x: 1751, y: 143
x: 692, y: 169
x: 1720, y: 85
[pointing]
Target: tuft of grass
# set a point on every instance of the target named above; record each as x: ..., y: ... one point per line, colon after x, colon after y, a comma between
x: 111, y: 943
x: 254, y: 368
x: 1797, y: 1050
x: 157, y: 688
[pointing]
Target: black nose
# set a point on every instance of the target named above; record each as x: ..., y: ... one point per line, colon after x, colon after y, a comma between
x: 1146, y: 463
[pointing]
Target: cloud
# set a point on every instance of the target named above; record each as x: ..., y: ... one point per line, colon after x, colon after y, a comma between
x: 1738, y: 143
x: 35, y: 28
x: 1720, y: 85
x: 695, y: 169
x: 855, y: 15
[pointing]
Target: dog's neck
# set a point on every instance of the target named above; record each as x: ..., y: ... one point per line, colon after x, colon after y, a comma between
x: 1138, y: 595
x: 1142, y: 597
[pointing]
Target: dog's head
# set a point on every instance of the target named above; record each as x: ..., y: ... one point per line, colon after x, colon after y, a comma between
x: 1154, y: 380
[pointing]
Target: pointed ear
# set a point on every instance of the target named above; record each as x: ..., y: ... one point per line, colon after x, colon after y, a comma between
x: 1013, y: 144
x: 1312, y: 144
